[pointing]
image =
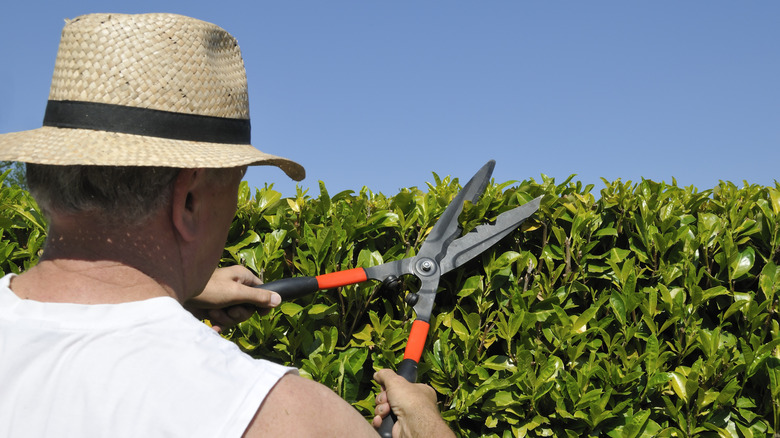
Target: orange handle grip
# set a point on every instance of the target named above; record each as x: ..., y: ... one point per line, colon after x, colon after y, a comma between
x: 341, y: 278
x: 417, y: 337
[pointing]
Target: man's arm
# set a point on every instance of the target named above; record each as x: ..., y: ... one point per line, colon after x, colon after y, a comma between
x: 297, y: 406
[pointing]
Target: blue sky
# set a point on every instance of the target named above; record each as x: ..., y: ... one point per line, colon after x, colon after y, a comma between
x: 383, y: 93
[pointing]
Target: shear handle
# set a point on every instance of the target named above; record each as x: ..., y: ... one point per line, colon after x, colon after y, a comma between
x: 296, y: 287
x: 408, y: 367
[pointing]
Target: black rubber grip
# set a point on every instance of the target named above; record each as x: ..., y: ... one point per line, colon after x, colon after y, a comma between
x: 291, y: 288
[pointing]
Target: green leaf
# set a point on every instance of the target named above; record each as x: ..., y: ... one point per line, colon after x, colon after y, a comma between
x: 501, y: 399
x: 679, y: 385
x: 470, y: 286
x: 473, y: 322
x: 618, y: 306
x: 658, y: 379
x: 727, y: 393
x: 247, y: 239
x: 607, y: 231
x: 459, y: 329
x: 774, y: 195
x: 712, y: 293
x: 651, y: 354
x: 582, y: 321
x: 319, y: 311
x: 769, y: 280
x: 743, y: 263
x: 761, y: 356
x: 290, y: 309
x: 635, y: 424
x: 550, y: 370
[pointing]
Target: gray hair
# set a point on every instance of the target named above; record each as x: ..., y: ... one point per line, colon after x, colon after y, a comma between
x: 124, y: 194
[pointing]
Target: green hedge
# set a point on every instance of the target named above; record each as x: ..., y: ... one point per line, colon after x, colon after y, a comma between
x: 22, y: 228
x: 646, y: 310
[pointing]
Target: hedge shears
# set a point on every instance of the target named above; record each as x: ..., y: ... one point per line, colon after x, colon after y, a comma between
x: 443, y: 250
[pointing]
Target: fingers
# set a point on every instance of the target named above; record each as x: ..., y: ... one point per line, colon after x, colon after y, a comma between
x: 382, y: 405
x: 240, y: 274
x: 235, y: 286
x: 381, y: 410
x: 384, y: 375
x: 393, y: 382
x: 231, y: 296
x: 256, y: 297
x: 229, y: 317
x: 402, y: 394
x: 239, y: 292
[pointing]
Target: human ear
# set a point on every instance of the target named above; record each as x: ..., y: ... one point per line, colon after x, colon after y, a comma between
x: 185, y: 203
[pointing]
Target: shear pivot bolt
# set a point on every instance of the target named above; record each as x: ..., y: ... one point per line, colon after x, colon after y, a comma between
x: 426, y: 266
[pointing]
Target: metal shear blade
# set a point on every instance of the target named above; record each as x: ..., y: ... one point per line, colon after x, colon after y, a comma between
x: 443, y: 251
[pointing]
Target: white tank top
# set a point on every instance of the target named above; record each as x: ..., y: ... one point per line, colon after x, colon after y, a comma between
x: 141, y: 369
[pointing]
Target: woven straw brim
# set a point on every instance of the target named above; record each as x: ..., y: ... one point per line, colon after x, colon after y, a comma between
x: 66, y: 146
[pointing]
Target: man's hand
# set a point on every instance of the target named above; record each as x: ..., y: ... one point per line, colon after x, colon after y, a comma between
x: 230, y: 298
x: 414, y: 405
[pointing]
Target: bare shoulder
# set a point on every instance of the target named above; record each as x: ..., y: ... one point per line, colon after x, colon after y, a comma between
x: 297, y: 406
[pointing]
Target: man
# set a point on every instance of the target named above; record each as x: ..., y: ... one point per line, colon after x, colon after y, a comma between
x: 137, y: 166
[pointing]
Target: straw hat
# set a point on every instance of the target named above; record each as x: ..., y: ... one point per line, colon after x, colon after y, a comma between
x: 145, y: 90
